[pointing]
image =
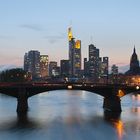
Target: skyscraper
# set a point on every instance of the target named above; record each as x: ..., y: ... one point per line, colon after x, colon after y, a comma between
x: 105, y: 65
x: 86, y: 67
x: 74, y: 54
x: 134, y: 64
x: 32, y: 63
x: 44, y: 66
x: 114, y: 70
x: 94, y: 62
x: 53, y: 68
x: 26, y: 62
x: 104, y: 69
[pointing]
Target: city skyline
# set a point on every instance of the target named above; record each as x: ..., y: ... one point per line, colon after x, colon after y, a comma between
x: 111, y: 26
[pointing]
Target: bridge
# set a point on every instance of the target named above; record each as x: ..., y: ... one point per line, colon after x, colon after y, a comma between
x: 110, y: 93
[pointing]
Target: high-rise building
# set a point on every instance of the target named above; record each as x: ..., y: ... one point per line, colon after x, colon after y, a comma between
x: 44, y: 66
x: 32, y: 63
x: 26, y: 62
x: 86, y: 67
x: 105, y: 65
x: 65, y: 68
x: 115, y: 78
x: 114, y: 70
x: 94, y: 62
x: 56, y: 72
x: 52, y: 68
x: 74, y: 54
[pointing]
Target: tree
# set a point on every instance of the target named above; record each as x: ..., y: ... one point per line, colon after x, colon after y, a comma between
x: 13, y: 75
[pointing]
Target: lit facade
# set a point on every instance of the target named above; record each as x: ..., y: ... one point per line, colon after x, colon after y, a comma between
x: 104, y: 66
x: 74, y: 54
x: 44, y: 66
x: 53, y: 69
x: 32, y: 63
x: 114, y: 70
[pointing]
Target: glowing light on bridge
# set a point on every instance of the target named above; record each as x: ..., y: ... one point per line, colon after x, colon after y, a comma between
x: 137, y: 87
x: 69, y: 86
x: 120, y: 93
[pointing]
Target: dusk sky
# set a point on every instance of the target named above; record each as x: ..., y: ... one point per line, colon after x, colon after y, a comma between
x: 112, y: 25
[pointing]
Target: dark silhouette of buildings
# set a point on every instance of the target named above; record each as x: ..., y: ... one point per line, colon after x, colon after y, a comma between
x: 65, y: 68
x: 134, y: 64
x: 86, y: 67
x: 93, y: 62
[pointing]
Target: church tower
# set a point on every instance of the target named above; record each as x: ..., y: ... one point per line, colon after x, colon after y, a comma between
x: 134, y: 64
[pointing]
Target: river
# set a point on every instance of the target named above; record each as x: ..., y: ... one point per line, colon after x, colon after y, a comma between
x: 69, y: 115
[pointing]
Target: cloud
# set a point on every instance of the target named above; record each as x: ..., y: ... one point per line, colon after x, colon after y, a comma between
x: 54, y: 38
x: 34, y: 27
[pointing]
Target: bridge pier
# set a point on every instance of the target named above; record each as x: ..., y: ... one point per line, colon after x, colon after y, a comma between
x: 22, y: 101
x: 112, y: 104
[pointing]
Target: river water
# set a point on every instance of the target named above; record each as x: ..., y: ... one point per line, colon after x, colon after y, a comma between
x: 69, y: 115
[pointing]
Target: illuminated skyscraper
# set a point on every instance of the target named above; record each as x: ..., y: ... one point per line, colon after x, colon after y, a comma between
x: 114, y: 70
x: 32, y: 63
x: 104, y: 69
x: 74, y: 54
x: 44, y: 66
x: 54, y: 70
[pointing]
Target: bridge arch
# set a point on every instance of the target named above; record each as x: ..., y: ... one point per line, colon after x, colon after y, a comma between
x: 111, y: 93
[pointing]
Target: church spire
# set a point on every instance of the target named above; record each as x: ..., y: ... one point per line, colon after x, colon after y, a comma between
x: 134, y: 49
x: 134, y: 64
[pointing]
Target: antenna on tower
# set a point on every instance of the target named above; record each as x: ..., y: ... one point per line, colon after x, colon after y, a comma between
x: 70, y: 24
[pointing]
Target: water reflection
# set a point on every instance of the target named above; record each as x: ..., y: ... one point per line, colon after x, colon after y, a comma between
x: 136, y: 97
x: 70, y: 115
x: 135, y: 109
x: 22, y: 121
x: 114, y: 119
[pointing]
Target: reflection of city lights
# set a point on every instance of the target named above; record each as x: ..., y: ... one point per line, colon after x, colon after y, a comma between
x: 136, y: 110
x: 119, y: 128
x: 136, y: 97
